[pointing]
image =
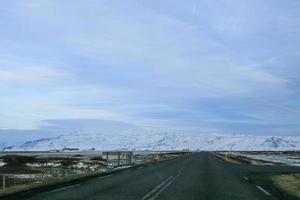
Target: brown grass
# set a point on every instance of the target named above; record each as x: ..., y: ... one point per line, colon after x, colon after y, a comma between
x: 226, y: 158
x: 290, y: 183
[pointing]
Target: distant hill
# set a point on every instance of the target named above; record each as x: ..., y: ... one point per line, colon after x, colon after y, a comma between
x: 150, y: 140
x: 86, y: 134
x: 54, y: 128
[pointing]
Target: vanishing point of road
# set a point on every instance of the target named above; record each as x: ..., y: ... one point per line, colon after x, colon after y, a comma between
x: 194, y: 177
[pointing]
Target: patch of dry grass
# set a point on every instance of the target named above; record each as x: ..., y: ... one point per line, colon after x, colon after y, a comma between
x: 240, y: 159
x: 290, y: 183
x: 226, y: 158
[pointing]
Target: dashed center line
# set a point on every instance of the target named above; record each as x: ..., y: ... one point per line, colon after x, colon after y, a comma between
x: 263, y: 190
x: 180, y: 171
x: 147, y: 196
x: 245, y: 178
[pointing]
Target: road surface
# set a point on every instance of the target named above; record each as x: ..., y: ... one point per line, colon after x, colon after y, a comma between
x: 198, y: 176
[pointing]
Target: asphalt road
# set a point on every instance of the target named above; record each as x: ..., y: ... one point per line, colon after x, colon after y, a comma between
x: 199, y: 176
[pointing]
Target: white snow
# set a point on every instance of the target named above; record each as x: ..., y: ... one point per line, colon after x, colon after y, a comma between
x: 139, y: 139
x: 2, y: 163
x: 48, y: 164
x: 276, y: 158
x: 30, y: 176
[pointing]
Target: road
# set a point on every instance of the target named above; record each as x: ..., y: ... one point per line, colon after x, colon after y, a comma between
x: 198, y: 176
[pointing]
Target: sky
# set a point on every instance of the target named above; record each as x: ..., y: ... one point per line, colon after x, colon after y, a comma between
x: 225, y: 66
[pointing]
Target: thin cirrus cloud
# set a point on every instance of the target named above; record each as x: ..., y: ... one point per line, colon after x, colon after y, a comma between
x: 227, y: 66
x: 34, y: 75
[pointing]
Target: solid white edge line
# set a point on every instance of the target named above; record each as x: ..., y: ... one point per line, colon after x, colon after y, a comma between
x: 102, y: 177
x: 64, y: 188
x: 263, y: 190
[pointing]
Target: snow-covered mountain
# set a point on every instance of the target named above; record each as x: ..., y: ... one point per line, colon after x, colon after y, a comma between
x: 137, y: 139
x: 86, y: 134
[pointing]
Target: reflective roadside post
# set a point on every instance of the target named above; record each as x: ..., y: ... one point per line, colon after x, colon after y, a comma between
x: 157, y: 157
x: 3, y: 183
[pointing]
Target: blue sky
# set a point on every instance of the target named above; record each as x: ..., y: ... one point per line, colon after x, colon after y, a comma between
x: 225, y: 66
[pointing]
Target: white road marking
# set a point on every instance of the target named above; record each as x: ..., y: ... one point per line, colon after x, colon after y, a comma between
x: 157, y: 188
x: 153, y: 194
x: 64, y: 188
x: 102, y: 177
x: 245, y: 178
x: 263, y: 190
x: 162, y: 189
x: 179, y: 171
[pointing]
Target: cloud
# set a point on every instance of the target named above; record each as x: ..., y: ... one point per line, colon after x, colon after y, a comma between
x: 33, y: 75
x: 21, y: 69
x: 200, y: 64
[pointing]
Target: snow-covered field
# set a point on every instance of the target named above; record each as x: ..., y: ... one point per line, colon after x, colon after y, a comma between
x: 285, y: 159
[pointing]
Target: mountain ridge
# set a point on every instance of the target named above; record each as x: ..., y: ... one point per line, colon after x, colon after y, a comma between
x: 138, y: 139
x: 85, y: 134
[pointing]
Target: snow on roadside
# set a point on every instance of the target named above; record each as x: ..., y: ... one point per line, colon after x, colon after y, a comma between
x: 2, y: 164
x: 50, y: 164
x: 30, y: 176
x: 292, y: 161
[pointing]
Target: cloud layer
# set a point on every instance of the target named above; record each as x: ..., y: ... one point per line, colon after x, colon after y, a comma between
x: 224, y: 66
